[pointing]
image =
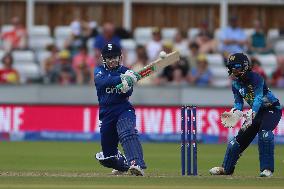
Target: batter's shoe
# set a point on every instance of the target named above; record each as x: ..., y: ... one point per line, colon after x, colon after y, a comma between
x: 266, y: 173
x: 136, y: 170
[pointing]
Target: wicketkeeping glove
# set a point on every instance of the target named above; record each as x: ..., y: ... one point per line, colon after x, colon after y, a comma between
x: 249, y: 116
x: 231, y: 118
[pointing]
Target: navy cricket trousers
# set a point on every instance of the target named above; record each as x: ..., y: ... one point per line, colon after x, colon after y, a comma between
x: 109, y: 135
x: 266, y: 119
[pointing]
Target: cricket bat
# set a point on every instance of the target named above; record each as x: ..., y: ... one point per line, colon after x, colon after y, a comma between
x: 157, y: 65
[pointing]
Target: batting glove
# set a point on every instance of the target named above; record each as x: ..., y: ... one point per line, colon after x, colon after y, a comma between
x: 134, y: 75
x: 127, y: 83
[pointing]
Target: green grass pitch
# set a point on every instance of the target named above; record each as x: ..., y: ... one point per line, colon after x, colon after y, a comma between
x: 60, y: 165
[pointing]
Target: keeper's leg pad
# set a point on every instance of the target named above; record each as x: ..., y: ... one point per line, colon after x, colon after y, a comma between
x: 128, y: 137
x: 266, y: 150
x: 117, y: 162
x: 231, y: 157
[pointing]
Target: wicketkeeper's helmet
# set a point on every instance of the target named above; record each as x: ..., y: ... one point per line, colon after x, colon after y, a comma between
x: 238, y: 61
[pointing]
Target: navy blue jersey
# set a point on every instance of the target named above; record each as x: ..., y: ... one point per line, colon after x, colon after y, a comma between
x: 254, y: 91
x: 111, y: 99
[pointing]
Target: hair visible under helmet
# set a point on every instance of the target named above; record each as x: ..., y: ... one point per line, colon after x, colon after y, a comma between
x: 111, y: 55
x: 238, y: 61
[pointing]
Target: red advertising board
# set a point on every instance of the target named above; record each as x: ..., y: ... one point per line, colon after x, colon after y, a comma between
x: 84, y: 119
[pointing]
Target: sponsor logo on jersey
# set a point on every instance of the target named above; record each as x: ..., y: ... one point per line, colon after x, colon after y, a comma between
x: 113, y: 90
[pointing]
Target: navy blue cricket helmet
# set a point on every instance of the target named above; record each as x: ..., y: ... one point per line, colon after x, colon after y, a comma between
x: 111, y: 55
x: 111, y: 50
x: 238, y: 61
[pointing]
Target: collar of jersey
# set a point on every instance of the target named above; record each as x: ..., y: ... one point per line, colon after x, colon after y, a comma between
x: 109, y: 69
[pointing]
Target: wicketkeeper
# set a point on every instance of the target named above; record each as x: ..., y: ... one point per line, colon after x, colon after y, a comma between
x: 117, y: 115
x: 261, y: 119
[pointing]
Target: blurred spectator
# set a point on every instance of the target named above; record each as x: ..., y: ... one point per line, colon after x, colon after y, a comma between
x: 154, y: 46
x: 178, y: 77
x: 80, y: 27
x: 233, y: 39
x: 76, y: 26
x: 83, y: 64
x: 62, y: 72
x: 16, y: 38
x: 204, y: 30
x: 258, y: 42
x: 8, y: 75
x: 81, y: 31
x: 205, y: 39
x: 256, y: 67
x: 193, y: 54
x: 281, y: 31
x: 122, y: 33
x: 185, y: 66
x: 94, y: 29
x: 168, y: 72
x: 107, y: 36
x: 142, y: 61
x: 201, y: 75
x: 181, y: 44
x: 49, y: 62
x: 278, y: 75
x: 84, y: 75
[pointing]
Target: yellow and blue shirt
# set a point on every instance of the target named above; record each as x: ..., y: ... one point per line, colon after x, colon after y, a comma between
x: 254, y: 91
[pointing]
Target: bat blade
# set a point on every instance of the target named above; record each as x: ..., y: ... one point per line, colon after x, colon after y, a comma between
x: 157, y: 65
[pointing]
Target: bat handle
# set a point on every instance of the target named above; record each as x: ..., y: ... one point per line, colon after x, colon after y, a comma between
x: 119, y: 86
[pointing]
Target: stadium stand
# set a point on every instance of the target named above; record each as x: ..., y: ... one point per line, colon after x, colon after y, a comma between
x: 41, y: 56
x: 217, y: 33
x: 28, y: 72
x: 39, y: 31
x: 6, y: 28
x: 220, y: 74
x: 268, y: 62
x: 90, y: 45
x: 129, y: 45
x: 169, y: 33
x: 29, y: 62
x: 273, y: 33
x: 192, y: 33
x: 61, y: 34
x: 279, y: 47
x: 1, y: 55
x: 39, y: 37
x: 23, y: 57
x: 249, y: 31
x: 142, y: 35
x: 25, y: 64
